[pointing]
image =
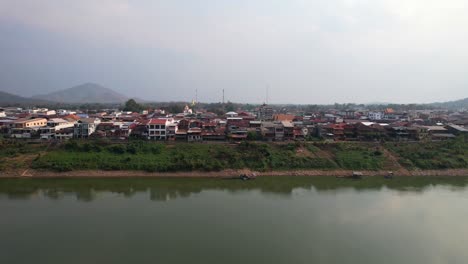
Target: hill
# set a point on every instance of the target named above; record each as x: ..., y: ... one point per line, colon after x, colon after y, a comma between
x: 85, y: 93
x: 454, y: 105
x: 7, y: 99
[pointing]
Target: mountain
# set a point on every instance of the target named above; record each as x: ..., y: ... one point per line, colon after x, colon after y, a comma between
x: 7, y: 99
x: 454, y: 105
x: 85, y: 93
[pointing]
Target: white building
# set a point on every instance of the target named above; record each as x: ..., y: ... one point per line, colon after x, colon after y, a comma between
x: 53, y: 125
x: 375, y: 115
x: 85, y: 127
x: 157, y: 128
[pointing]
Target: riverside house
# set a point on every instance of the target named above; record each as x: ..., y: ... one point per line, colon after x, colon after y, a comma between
x: 27, y: 128
x: 85, y: 127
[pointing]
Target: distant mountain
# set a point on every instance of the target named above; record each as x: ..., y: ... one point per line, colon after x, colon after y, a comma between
x: 7, y: 99
x: 454, y: 105
x: 85, y: 93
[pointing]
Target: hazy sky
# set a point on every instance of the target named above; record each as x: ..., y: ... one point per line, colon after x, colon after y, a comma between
x: 306, y: 51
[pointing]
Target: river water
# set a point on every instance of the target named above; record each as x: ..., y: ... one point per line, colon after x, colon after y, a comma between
x: 267, y: 220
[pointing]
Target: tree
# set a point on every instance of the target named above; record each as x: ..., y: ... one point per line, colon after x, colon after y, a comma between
x: 132, y: 106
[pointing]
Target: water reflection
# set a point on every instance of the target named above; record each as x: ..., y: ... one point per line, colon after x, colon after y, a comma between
x: 88, y: 190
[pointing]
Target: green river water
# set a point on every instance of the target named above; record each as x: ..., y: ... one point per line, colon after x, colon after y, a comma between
x: 267, y: 220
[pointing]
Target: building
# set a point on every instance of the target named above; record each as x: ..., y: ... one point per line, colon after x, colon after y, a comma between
x: 265, y: 112
x: 64, y: 134
x: 27, y: 128
x: 375, y: 115
x: 456, y: 130
x: 84, y: 127
x: 272, y: 131
x: 157, y: 128
x: 26, y: 123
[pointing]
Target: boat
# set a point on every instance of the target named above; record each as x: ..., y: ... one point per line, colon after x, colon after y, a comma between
x: 389, y: 175
x: 247, y: 176
x: 357, y: 175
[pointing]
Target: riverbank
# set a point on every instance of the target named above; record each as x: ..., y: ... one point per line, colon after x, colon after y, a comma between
x: 31, y: 173
x: 152, y: 159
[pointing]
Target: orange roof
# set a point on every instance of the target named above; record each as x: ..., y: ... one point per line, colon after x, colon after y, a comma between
x: 157, y: 122
x: 284, y: 117
x: 74, y: 117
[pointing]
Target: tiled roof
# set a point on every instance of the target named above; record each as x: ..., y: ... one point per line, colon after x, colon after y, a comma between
x: 157, y: 122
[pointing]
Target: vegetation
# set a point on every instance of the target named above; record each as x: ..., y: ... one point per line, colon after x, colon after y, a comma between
x: 141, y: 155
x: 164, y: 157
x: 132, y: 106
x: 451, y: 154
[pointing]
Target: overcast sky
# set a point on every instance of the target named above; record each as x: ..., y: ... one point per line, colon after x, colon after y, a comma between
x: 305, y: 51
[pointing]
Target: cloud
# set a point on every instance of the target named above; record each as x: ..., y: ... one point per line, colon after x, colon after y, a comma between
x: 351, y: 47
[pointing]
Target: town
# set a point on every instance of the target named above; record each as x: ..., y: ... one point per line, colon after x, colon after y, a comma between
x: 261, y: 123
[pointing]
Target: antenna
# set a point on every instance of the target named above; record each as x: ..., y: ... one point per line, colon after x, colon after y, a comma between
x: 266, y: 98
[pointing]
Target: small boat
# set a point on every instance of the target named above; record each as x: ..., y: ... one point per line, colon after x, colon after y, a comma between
x: 389, y: 176
x: 247, y: 176
x: 357, y: 175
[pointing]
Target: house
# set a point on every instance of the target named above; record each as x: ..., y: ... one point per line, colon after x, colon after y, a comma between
x: 189, y: 130
x: 237, y: 128
x: 27, y: 128
x: 288, y: 130
x: 194, y: 134
x: 456, y: 130
x: 265, y: 112
x: 138, y: 130
x: 417, y: 133
x: 375, y: 115
x: 300, y: 133
x: 272, y: 131
x: 64, y: 134
x: 335, y: 131
x: 26, y: 123
x: 438, y: 133
x: 84, y: 127
x: 27, y: 132
x: 398, y: 133
x: 171, y: 131
x: 211, y: 131
x: 110, y: 130
x: 157, y: 128
x: 53, y: 125
x: 350, y: 114
x: 370, y: 131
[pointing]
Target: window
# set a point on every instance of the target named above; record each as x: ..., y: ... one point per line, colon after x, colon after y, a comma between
x: 157, y: 126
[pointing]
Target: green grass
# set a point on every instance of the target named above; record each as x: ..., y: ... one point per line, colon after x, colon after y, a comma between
x: 452, y: 154
x: 151, y: 156
x: 162, y: 157
x: 356, y: 156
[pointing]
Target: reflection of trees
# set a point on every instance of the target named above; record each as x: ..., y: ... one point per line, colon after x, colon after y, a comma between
x: 54, y: 194
x: 86, y: 195
x: 166, y: 189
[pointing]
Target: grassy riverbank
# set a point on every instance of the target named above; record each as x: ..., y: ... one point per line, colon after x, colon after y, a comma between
x: 184, y: 157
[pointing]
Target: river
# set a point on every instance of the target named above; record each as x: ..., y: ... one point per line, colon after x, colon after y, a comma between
x: 266, y: 220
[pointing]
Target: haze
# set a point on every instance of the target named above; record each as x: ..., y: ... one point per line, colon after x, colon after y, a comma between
x: 305, y: 51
